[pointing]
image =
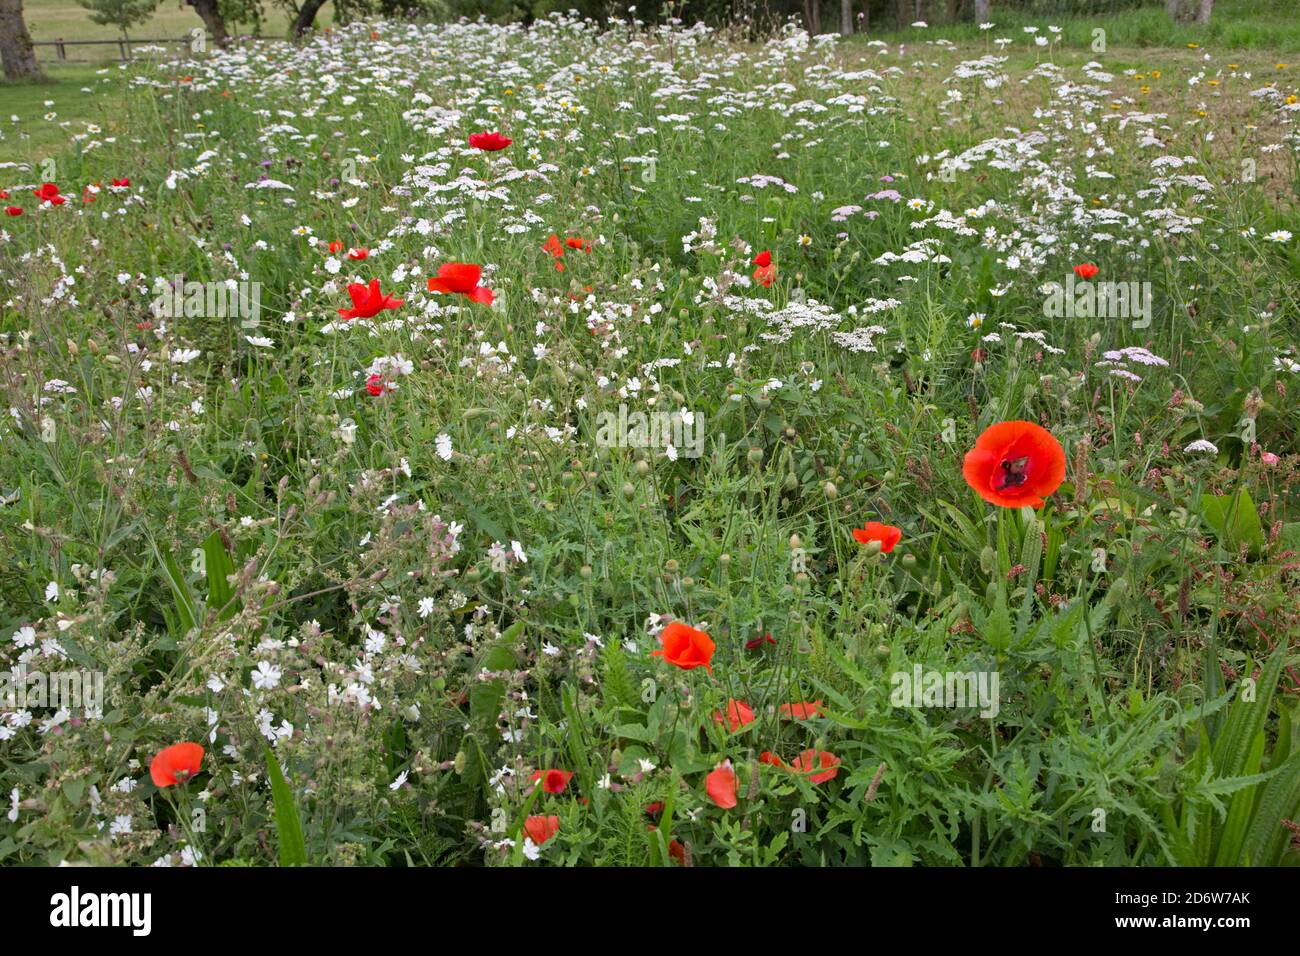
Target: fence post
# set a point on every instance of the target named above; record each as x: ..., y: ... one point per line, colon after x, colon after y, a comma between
x: 62, y: 50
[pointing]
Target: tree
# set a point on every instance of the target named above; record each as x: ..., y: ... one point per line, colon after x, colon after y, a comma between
x: 306, y: 16
x: 846, y: 18
x: 16, y: 51
x: 981, y: 11
x: 122, y: 14
x: 210, y: 13
x: 1203, y: 14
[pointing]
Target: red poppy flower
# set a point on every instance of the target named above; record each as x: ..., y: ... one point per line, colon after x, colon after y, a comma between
x: 359, y: 253
x: 540, y: 829
x: 376, y: 385
x: 49, y: 193
x: 1015, y: 464
x: 771, y: 759
x: 4, y: 194
x: 88, y: 194
x: 367, y: 301
x: 763, y: 259
x: 721, y: 785
x: 336, y: 246
x: 175, y: 764
x: 886, y: 534
x: 685, y: 647
x: 821, y: 764
x: 553, y: 781
x: 758, y: 642
x: 489, y: 142
x: 577, y: 242
x: 556, y: 249
x: 739, y: 715
x: 461, y: 278
x: 802, y: 710
x: 123, y: 182
x: 13, y: 210
x: 654, y: 809
x: 764, y: 275
x: 1085, y: 271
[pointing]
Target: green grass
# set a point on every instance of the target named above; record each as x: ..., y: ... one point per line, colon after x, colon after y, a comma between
x: 78, y: 95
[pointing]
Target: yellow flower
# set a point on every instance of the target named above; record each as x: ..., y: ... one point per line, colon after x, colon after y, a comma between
x: 1281, y: 66
x: 1155, y: 74
x: 1145, y: 89
x: 1193, y: 46
x: 1200, y: 113
x: 1233, y: 66
x: 1292, y: 100
x: 1212, y: 83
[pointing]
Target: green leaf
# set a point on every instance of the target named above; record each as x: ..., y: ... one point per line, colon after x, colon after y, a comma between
x: 186, y: 606
x: 288, y: 826
x: 1234, y: 520
x: 217, y: 566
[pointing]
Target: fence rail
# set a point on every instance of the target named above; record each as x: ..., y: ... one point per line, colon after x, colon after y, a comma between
x: 123, y: 45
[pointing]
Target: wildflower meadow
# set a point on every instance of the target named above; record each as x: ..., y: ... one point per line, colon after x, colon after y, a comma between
x: 640, y: 441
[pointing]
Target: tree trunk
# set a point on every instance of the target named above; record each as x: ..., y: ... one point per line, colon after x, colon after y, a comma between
x: 1178, y: 10
x: 812, y: 15
x: 16, y: 44
x: 210, y: 14
x: 306, y: 16
x: 846, y: 18
x: 1203, y: 14
x: 981, y: 11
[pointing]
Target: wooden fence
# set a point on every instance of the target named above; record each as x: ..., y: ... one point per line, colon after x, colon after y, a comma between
x: 124, y: 46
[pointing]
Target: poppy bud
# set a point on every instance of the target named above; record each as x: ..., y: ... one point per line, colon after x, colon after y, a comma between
x: 472, y: 575
x: 909, y: 561
x: 459, y: 765
x: 629, y: 490
x: 724, y: 559
x: 831, y: 491
x: 795, y: 542
x: 988, y: 560
x: 671, y: 566
x: 791, y: 481
x: 643, y: 468
x: 756, y: 456
x: 688, y: 583
x: 871, y: 548
x: 585, y: 571
x: 882, y: 651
